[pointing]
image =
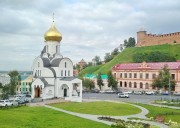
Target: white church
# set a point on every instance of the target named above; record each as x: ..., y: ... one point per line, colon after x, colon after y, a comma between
x: 53, y: 73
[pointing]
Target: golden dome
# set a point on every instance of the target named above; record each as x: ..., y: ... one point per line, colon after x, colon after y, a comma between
x: 52, y: 34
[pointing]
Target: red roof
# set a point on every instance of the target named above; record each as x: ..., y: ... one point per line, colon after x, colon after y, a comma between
x: 144, y: 65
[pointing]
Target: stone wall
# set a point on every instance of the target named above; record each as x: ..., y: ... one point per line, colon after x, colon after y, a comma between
x: 144, y: 39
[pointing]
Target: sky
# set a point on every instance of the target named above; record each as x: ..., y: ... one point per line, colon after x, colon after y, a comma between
x: 89, y: 28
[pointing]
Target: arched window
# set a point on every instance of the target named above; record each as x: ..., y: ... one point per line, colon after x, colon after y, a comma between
x: 120, y: 83
x: 141, y: 85
x: 68, y: 72
x: 65, y: 72
x: 56, y: 49
x: 125, y: 84
x: 65, y: 64
x: 61, y: 72
x: 135, y: 85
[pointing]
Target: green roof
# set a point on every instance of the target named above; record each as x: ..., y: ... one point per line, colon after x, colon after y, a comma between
x: 91, y: 76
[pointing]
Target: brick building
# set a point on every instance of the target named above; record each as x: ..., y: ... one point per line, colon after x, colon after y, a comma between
x: 144, y: 39
x: 139, y: 76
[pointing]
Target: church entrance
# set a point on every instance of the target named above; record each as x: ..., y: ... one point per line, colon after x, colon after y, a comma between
x: 37, y: 92
x: 65, y: 92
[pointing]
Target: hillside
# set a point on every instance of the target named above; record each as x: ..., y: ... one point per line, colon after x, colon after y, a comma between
x: 127, y: 54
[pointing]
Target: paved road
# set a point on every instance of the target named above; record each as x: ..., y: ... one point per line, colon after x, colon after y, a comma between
x: 133, y: 98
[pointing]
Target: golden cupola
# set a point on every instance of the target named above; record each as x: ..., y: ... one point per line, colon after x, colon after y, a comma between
x: 52, y: 34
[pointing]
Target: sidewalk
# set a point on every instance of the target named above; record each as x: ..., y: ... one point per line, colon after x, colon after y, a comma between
x: 164, y: 106
x: 95, y: 117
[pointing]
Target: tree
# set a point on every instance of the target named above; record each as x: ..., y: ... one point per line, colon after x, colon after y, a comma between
x: 163, y: 79
x: 1, y: 85
x: 15, y: 77
x: 99, y: 81
x: 115, y: 52
x: 88, y: 83
x: 108, y: 57
x: 5, y: 91
x: 130, y: 43
x: 97, y: 60
x: 112, y: 81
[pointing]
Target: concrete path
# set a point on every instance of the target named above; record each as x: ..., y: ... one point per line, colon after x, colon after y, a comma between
x: 164, y: 106
x: 95, y: 117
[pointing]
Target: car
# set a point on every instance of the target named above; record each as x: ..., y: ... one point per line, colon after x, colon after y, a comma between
x: 109, y: 91
x: 127, y: 92
x: 138, y: 92
x: 176, y: 93
x: 94, y: 91
x: 14, y: 102
x: 123, y: 95
x: 5, y: 103
x: 150, y: 93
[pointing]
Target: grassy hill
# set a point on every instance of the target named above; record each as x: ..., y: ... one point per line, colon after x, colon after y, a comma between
x: 127, y: 54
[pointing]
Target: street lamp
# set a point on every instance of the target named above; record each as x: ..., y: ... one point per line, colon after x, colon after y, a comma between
x: 169, y: 89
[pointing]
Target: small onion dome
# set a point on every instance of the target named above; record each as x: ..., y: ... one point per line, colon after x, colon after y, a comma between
x: 52, y: 34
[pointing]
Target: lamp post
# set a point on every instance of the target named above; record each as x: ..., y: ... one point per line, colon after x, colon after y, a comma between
x: 169, y: 89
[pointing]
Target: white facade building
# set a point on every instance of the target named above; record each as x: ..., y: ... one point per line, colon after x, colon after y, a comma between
x: 53, y: 73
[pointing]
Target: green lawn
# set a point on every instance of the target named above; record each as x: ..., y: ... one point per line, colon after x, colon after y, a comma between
x: 99, y: 108
x: 41, y: 117
x: 168, y: 113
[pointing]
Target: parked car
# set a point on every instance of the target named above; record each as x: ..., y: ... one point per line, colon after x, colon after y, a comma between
x: 123, y: 95
x: 176, y: 93
x: 138, y: 92
x: 5, y: 103
x: 95, y: 91
x: 109, y: 91
x: 14, y: 102
x: 127, y: 92
x: 28, y: 98
x: 165, y: 93
x: 150, y: 93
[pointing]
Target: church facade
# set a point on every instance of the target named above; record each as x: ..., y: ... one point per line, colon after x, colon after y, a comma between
x: 53, y: 73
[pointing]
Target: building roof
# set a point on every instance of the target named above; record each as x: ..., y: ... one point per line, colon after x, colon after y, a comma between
x: 149, y: 66
x: 68, y: 78
x: 55, y: 62
x: 91, y: 76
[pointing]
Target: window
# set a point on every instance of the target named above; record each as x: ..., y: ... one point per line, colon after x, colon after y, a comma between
x: 153, y: 76
x: 146, y: 86
x: 65, y: 64
x: 135, y: 85
x: 173, y: 76
x: 114, y: 75
x: 141, y: 85
x: 120, y: 83
x: 147, y: 76
x: 56, y: 48
x: 120, y: 75
x: 68, y: 72
x: 26, y: 89
x: 125, y: 84
x: 61, y: 72
x: 38, y: 64
x: 125, y: 75
x: 135, y: 75
x: 140, y: 75
x: 130, y: 84
x: 130, y: 75
x: 65, y: 72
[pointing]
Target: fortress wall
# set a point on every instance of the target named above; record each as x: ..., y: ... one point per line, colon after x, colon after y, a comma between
x: 144, y: 39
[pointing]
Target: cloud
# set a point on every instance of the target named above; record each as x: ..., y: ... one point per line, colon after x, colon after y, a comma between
x: 89, y: 28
